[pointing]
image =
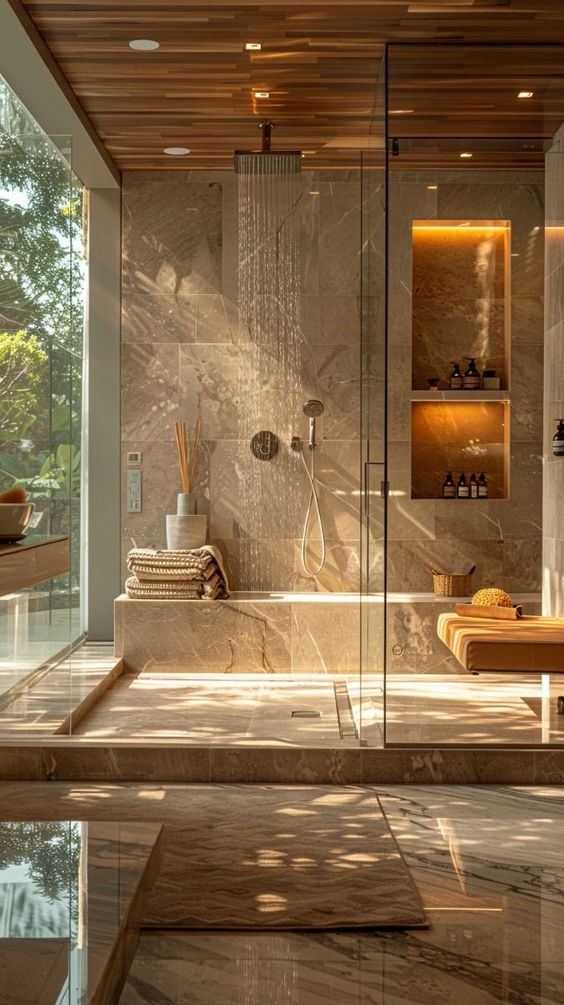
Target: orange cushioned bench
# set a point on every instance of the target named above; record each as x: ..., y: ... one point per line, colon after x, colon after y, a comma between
x: 530, y: 644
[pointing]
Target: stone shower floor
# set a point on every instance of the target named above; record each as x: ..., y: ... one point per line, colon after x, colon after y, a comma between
x: 257, y: 709
x: 238, y: 709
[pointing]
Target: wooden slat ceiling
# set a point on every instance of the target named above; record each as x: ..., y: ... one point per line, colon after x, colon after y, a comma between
x: 319, y: 62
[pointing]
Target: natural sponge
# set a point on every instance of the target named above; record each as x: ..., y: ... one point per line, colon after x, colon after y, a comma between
x: 492, y: 597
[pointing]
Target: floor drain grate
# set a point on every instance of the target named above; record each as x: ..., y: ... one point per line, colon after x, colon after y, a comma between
x: 347, y: 725
x: 306, y: 713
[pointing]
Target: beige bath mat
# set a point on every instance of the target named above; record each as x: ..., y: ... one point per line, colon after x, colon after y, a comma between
x: 282, y: 857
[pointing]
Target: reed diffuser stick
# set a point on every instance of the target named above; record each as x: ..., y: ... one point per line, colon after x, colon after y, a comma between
x: 186, y: 454
x: 182, y: 451
x: 195, y: 451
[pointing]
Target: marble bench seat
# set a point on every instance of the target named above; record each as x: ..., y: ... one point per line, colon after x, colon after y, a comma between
x: 245, y: 634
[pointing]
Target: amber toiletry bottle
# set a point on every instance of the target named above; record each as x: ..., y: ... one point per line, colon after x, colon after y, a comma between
x: 558, y: 439
x: 462, y: 490
x: 482, y: 487
x: 456, y: 379
x: 471, y: 379
x: 449, y: 488
x: 473, y: 486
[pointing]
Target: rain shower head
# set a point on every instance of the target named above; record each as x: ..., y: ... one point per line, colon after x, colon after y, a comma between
x: 267, y: 161
x: 314, y: 408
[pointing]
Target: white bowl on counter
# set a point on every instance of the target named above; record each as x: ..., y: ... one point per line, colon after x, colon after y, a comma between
x: 14, y: 520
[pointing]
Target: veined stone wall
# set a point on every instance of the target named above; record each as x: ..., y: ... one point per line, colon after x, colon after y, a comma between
x: 501, y: 537
x: 183, y: 356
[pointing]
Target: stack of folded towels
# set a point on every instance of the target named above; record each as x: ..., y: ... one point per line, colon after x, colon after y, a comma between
x: 176, y: 575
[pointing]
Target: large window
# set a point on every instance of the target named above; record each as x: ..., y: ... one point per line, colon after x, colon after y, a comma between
x: 41, y: 360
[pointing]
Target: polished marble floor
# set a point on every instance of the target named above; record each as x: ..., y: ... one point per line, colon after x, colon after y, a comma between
x: 239, y: 709
x: 489, y: 864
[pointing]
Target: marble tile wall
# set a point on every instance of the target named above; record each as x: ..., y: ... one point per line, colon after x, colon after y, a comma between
x: 184, y: 355
x: 238, y: 636
x: 553, y: 471
x: 502, y: 537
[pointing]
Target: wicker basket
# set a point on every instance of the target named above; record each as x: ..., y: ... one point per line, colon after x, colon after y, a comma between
x: 452, y: 584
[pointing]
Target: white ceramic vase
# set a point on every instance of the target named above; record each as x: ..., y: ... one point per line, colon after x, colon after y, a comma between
x: 186, y: 529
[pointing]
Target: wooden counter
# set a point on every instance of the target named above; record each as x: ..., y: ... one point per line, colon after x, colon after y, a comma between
x: 29, y: 562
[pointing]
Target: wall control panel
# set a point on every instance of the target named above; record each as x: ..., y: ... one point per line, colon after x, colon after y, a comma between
x: 134, y: 491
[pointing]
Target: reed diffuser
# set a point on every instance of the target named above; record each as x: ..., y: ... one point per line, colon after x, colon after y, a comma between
x: 188, y: 465
x: 186, y: 529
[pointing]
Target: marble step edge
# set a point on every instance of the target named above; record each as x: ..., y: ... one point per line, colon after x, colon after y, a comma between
x: 75, y: 760
x: 111, y: 968
x: 90, y: 699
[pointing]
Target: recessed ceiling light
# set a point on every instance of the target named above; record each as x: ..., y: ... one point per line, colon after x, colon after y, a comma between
x: 253, y: 46
x: 262, y: 94
x: 525, y: 94
x: 176, y: 151
x: 466, y: 154
x: 314, y: 191
x: 401, y: 111
x: 144, y: 44
x: 431, y: 188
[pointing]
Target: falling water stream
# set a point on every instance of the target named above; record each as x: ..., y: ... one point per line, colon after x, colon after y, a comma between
x: 270, y: 398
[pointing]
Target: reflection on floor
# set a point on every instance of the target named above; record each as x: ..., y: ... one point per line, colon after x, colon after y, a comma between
x: 71, y: 894
x: 488, y: 863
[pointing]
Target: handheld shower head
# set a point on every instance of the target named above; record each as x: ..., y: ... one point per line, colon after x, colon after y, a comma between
x: 313, y: 409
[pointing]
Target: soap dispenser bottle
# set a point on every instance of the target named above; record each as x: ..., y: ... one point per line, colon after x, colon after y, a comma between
x: 449, y: 488
x: 474, y: 493
x: 558, y: 439
x: 471, y: 379
x: 482, y: 486
x: 462, y: 490
x: 456, y: 379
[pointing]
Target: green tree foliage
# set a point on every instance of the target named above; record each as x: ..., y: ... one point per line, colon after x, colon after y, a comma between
x: 41, y: 315
x: 50, y: 851
x: 23, y: 376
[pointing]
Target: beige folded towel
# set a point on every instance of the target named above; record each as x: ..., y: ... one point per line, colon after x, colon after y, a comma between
x: 156, y: 565
x: 212, y: 589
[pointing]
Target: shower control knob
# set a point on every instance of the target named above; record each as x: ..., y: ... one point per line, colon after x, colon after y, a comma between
x: 397, y: 649
x: 264, y: 445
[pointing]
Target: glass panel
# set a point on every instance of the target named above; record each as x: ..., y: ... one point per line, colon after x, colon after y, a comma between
x: 373, y: 399
x: 465, y: 316
x: 41, y: 351
x: 67, y: 889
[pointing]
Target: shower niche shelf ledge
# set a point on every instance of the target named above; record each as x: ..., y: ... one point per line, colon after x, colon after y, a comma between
x: 460, y: 395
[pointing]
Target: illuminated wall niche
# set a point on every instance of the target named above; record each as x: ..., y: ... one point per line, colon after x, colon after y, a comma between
x: 461, y: 298
x: 461, y: 309
x: 459, y: 436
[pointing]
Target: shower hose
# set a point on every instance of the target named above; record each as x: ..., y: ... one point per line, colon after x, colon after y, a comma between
x: 313, y: 503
